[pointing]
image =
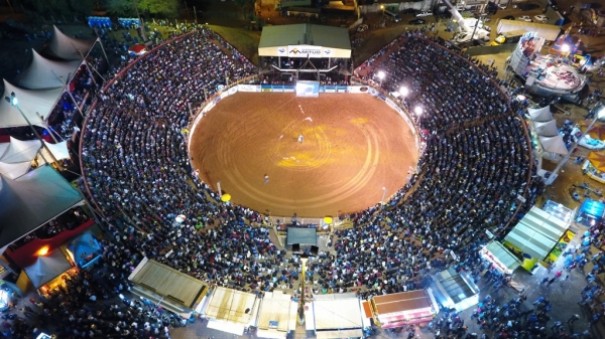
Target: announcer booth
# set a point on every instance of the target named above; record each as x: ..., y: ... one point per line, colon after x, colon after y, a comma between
x: 455, y: 289
x: 405, y: 308
x: 305, y: 51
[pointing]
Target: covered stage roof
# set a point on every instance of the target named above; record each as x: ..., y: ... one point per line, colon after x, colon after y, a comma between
x: 305, y: 40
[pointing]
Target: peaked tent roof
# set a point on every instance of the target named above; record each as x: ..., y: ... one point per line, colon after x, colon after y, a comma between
x: 32, y: 200
x: 13, y: 171
x: 30, y: 102
x: 47, y: 268
x: 44, y: 73
x: 541, y: 114
x: 554, y: 144
x: 3, y: 147
x: 546, y: 129
x: 19, y: 151
x: 68, y: 48
x: 59, y: 152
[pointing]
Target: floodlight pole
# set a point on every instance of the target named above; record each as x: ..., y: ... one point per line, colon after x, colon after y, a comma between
x: 301, y: 302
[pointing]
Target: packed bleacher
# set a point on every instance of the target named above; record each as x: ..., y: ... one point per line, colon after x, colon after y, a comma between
x: 136, y: 166
x: 475, y: 164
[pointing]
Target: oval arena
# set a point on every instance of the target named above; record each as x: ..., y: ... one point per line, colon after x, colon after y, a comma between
x: 475, y: 163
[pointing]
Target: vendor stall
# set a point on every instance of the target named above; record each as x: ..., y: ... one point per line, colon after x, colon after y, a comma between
x: 405, y: 308
x: 502, y: 259
x: 594, y: 167
x: 455, y: 289
x: 535, y: 236
x: 590, y: 212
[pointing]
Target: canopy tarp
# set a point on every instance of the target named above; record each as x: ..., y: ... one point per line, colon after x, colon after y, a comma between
x: 305, y: 40
x: 276, y: 312
x: 537, y: 233
x: 337, y: 312
x: 47, y: 268
x: 35, y: 105
x: 68, y: 48
x: 554, y: 144
x: 597, y: 159
x: 19, y: 151
x: 541, y: 114
x: 86, y: 250
x: 456, y: 286
x: 172, y: 285
x: 231, y: 305
x: 547, y: 129
x: 501, y: 256
x: 31, y: 201
x: 25, y: 255
x: 44, y: 73
x: 59, y: 151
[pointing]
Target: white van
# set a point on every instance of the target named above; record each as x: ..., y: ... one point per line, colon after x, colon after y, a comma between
x: 394, y: 16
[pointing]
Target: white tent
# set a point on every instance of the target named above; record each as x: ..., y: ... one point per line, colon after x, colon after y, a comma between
x: 554, y: 144
x: 32, y: 200
x: 546, y: 129
x: 47, y: 268
x: 35, y: 105
x: 13, y: 171
x: 541, y: 114
x: 68, y: 48
x: 59, y: 152
x: 44, y: 73
x: 3, y: 148
x: 19, y: 151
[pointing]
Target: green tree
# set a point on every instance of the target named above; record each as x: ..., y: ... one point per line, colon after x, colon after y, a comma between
x: 124, y: 8
x: 160, y: 8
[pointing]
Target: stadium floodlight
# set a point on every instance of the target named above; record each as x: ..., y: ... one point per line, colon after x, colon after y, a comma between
x: 404, y: 91
x: 601, y: 113
x: 418, y: 110
x: 381, y: 75
x: 12, y: 100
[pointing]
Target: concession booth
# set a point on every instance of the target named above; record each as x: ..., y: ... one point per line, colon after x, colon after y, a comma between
x: 455, y: 289
x: 404, y: 308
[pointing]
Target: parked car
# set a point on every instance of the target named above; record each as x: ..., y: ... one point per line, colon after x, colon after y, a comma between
x: 524, y: 18
x: 541, y: 18
x: 417, y: 21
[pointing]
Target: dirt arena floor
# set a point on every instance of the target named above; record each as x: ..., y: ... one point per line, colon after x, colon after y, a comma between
x: 354, y: 151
